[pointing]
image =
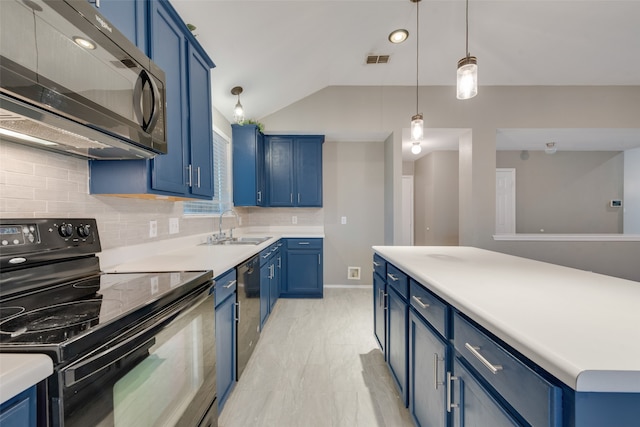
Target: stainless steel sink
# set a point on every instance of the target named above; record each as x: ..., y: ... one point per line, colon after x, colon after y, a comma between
x: 245, y: 240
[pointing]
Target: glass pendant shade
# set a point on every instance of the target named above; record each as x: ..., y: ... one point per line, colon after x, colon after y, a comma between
x: 417, y: 128
x: 467, y: 77
x: 238, y: 113
x: 416, y: 148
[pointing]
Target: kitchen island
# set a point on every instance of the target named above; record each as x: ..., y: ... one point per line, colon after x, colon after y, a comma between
x: 576, y: 330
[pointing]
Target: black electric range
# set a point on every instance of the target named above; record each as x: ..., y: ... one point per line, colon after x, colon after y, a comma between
x: 103, y: 330
x: 55, y: 300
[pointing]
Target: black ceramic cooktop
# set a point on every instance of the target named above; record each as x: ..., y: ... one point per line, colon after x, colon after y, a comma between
x: 74, y: 310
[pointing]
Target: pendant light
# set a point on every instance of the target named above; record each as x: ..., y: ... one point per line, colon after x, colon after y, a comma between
x: 238, y: 111
x: 467, y: 80
x: 417, y: 124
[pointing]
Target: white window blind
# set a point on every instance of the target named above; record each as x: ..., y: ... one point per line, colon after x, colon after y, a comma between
x: 221, y: 181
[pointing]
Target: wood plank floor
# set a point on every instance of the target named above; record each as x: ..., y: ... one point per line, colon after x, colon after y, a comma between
x: 317, y: 364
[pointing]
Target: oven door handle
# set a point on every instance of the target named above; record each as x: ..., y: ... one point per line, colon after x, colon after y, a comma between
x: 95, y: 364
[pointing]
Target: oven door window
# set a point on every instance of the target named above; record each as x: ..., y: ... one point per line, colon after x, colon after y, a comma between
x: 165, y: 380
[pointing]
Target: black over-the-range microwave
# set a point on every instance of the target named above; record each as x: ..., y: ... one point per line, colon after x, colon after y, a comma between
x: 71, y: 82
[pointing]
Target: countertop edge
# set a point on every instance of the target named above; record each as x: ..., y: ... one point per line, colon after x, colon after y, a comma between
x: 19, y: 371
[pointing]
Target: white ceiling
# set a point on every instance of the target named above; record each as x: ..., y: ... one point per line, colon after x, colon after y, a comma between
x: 283, y: 51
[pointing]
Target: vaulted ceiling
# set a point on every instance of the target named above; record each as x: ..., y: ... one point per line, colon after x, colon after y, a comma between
x: 283, y: 51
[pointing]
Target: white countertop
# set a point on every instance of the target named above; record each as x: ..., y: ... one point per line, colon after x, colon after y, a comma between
x: 187, y: 254
x: 582, y: 327
x: 18, y: 372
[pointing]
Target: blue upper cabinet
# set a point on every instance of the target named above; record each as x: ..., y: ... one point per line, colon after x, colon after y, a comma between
x: 128, y: 16
x: 186, y: 171
x: 248, y: 166
x: 294, y: 170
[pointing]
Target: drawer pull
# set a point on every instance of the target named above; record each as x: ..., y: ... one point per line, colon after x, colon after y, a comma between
x: 450, y: 404
x: 231, y: 283
x: 376, y: 264
x: 475, y: 351
x: 420, y: 303
x: 392, y: 277
x: 303, y: 243
x: 436, y: 360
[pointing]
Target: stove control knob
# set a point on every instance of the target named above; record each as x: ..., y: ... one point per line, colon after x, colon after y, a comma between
x: 66, y: 230
x: 84, y: 231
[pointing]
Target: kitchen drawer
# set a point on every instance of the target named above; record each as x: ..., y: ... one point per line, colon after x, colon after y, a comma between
x: 398, y: 281
x: 225, y: 285
x: 430, y: 307
x: 304, y: 243
x: 535, y: 399
x: 380, y: 266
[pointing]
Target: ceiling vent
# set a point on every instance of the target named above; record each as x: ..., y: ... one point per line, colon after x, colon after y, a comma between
x: 377, y: 59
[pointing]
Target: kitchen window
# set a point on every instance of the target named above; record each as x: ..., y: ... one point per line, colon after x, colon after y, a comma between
x: 221, y: 181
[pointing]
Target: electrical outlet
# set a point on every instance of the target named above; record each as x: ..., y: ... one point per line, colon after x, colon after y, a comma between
x: 153, y: 228
x: 174, y: 226
x: 343, y: 220
x: 294, y: 219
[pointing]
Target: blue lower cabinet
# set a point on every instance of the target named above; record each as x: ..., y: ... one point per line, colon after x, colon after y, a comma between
x: 397, y: 318
x: 303, y: 266
x: 226, y: 335
x: 20, y: 410
x: 265, y: 290
x: 428, y: 367
x: 471, y: 404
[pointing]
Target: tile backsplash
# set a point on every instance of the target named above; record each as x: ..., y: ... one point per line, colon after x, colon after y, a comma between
x: 38, y: 183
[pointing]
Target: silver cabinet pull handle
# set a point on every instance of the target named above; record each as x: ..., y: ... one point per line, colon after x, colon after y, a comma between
x: 419, y: 301
x: 380, y: 297
x: 392, y: 277
x: 376, y: 264
x: 298, y: 198
x: 231, y: 283
x: 259, y: 196
x: 475, y: 351
x: 198, y: 175
x: 190, y: 173
x: 436, y: 360
x: 238, y: 311
x: 450, y: 404
x: 291, y: 197
x: 303, y: 243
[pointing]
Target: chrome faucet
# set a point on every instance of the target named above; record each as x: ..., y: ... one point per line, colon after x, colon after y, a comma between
x: 220, y: 234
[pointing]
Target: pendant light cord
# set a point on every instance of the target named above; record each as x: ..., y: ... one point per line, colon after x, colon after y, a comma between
x: 467, y: 29
x: 417, y: 48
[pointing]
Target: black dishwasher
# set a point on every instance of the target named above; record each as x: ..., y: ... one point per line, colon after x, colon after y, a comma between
x: 249, y: 318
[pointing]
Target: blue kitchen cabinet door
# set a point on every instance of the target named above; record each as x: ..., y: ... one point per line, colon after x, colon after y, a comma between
x: 226, y: 330
x: 168, y: 51
x: 472, y: 404
x: 248, y: 166
x: 20, y: 410
x: 308, y: 171
x: 200, y: 124
x: 380, y: 312
x: 265, y: 289
x: 279, y: 167
x: 128, y: 16
x: 427, y: 374
x: 304, y: 276
x: 397, y: 332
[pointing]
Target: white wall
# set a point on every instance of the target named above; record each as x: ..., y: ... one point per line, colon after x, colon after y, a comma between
x: 353, y: 181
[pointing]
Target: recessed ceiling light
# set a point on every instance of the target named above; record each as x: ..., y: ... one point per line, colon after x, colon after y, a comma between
x: 398, y: 36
